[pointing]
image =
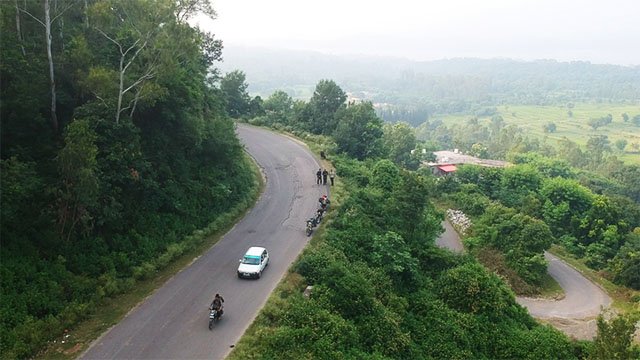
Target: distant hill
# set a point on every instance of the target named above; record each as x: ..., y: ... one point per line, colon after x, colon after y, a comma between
x: 450, y: 85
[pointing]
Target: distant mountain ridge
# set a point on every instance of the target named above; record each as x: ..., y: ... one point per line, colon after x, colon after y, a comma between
x: 404, y: 82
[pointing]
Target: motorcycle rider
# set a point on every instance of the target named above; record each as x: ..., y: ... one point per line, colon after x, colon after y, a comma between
x: 324, y: 202
x: 217, y: 305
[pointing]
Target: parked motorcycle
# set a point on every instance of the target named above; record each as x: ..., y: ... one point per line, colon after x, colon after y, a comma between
x: 311, y: 223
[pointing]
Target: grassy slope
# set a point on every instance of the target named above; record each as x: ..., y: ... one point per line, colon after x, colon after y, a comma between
x: 533, y: 118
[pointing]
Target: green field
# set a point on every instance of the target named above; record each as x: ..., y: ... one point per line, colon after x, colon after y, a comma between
x: 575, y: 128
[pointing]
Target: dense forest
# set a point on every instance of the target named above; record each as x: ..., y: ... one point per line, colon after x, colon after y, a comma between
x: 116, y: 147
x: 378, y: 278
x: 413, y: 91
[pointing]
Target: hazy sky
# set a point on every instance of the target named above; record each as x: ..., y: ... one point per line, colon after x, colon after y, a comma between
x: 596, y: 31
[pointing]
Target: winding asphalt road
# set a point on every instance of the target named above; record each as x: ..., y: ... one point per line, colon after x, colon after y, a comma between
x: 582, y: 300
x: 172, y: 322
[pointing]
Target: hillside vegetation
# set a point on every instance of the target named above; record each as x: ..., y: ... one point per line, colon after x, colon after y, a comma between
x: 117, y: 155
x: 381, y: 288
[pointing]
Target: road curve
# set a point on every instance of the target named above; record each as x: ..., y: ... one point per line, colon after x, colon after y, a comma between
x: 449, y: 239
x: 172, y: 323
x: 582, y: 300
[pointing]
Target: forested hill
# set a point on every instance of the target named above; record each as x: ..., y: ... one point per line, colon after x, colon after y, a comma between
x: 116, y: 146
x: 443, y: 82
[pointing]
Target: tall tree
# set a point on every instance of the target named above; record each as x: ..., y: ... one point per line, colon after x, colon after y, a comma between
x: 279, y: 107
x: 614, y: 339
x: 359, y: 131
x: 47, y: 22
x: 136, y: 29
x: 19, y: 29
x: 327, y: 98
x: 78, y: 171
x: 234, y: 88
x: 399, y: 140
x: 597, y: 146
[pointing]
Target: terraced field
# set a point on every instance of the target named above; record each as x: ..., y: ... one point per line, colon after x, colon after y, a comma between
x: 575, y: 127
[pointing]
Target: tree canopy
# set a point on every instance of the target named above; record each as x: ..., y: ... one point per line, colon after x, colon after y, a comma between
x: 142, y: 154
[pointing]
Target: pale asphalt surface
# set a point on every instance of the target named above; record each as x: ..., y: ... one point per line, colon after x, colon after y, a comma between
x: 172, y: 322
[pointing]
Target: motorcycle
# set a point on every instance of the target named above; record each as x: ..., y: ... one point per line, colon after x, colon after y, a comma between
x: 213, y: 317
x: 311, y: 223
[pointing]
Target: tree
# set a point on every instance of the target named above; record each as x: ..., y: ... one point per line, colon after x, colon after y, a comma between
x: 479, y: 150
x: 359, y: 131
x: 565, y: 201
x: 629, y: 175
x: 521, y: 238
x: 626, y: 264
x: 234, y: 88
x: 621, y: 144
x: 385, y: 175
x: 596, y: 123
x: 186, y: 9
x: 79, y: 173
x: 636, y: 120
x: 625, y: 117
x: 571, y: 152
x: 517, y: 182
x: 614, y: 339
x: 136, y: 29
x: 391, y: 253
x: 327, y: 98
x: 47, y: 23
x: 279, y: 107
x: 469, y: 288
x: 550, y: 127
x: 497, y: 123
x: 399, y: 140
x: 597, y: 146
x: 256, y: 106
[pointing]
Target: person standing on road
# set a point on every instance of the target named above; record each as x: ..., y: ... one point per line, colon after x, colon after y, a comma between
x: 332, y: 175
x: 325, y: 173
x: 319, y: 177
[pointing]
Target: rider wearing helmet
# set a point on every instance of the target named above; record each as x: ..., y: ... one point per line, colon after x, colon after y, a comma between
x: 217, y: 304
x: 324, y: 202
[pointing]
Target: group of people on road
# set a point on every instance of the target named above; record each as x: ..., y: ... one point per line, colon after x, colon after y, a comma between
x: 321, y: 176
